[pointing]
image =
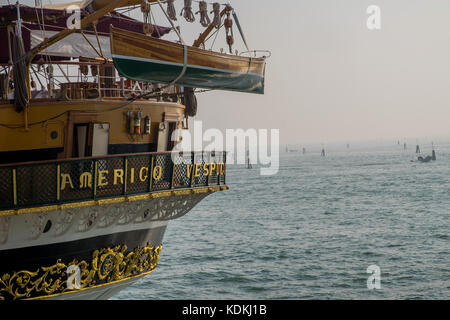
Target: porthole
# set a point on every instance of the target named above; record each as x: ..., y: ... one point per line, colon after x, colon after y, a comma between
x: 47, y: 227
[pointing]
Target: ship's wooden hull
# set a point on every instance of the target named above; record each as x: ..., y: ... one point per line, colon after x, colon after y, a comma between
x: 103, y: 217
x: 107, y: 246
x: 106, y: 259
x: 143, y: 58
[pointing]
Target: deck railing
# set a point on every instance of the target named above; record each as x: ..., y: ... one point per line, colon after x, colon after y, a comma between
x: 73, y: 180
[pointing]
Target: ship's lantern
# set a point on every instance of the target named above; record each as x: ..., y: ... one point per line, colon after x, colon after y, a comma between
x: 130, y: 121
x: 147, y: 125
x: 137, y: 123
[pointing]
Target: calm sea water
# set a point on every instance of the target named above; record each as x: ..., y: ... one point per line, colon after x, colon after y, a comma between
x: 311, y: 231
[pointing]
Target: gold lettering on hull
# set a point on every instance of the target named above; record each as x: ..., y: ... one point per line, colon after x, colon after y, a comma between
x: 102, y: 179
x: 118, y: 174
x: 66, y: 179
x: 85, y: 180
x: 142, y: 174
x: 157, y: 173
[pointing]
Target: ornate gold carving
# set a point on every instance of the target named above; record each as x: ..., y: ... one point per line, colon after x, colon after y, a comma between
x: 107, y: 265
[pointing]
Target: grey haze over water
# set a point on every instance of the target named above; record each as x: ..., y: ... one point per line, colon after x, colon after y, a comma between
x: 311, y: 231
x: 329, y: 77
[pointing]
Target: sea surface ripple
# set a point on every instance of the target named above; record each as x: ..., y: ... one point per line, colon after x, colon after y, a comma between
x: 312, y: 230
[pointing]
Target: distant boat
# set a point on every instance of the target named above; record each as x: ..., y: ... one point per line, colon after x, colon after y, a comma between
x: 426, y: 159
x: 288, y: 149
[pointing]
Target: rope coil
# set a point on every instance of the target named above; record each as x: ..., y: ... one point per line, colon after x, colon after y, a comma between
x: 187, y: 9
x: 203, y: 10
x: 216, y: 10
x: 171, y: 12
x: 21, y: 98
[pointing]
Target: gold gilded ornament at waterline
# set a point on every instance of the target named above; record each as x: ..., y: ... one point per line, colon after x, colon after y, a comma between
x: 107, y: 266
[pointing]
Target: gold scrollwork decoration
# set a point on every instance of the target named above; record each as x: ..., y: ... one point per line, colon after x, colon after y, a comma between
x: 107, y: 265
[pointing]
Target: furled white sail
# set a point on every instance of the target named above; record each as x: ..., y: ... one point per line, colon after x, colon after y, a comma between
x: 74, y: 46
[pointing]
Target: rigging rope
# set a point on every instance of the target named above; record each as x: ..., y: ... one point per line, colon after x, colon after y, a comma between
x: 217, y: 19
x: 188, y: 15
x: 240, y: 29
x: 185, y: 48
x: 215, y: 34
x: 203, y: 10
x: 171, y: 22
x: 157, y: 29
x: 183, y: 71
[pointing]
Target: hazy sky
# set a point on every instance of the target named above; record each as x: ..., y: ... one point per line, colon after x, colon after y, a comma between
x: 330, y: 78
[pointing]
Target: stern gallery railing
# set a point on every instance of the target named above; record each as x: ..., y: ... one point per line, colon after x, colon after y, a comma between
x: 73, y: 180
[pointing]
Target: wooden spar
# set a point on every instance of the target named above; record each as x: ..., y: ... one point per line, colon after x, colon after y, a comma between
x: 103, y: 7
x: 208, y: 30
x: 98, y: 62
x: 98, y: 4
